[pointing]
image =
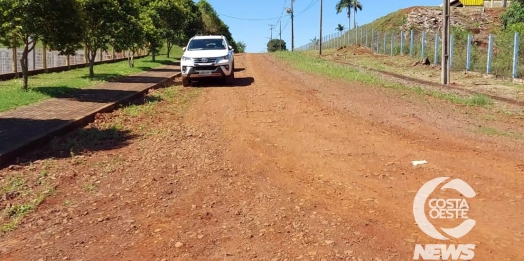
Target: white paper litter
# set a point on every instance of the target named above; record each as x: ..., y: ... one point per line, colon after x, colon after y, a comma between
x: 419, y: 162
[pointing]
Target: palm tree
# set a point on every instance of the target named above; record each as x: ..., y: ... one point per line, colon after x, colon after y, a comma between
x: 345, y: 4
x: 315, y: 41
x: 340, y: 28
x: 356, y: 5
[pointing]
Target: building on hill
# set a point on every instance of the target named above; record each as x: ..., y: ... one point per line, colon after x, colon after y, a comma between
x: 485, y: 3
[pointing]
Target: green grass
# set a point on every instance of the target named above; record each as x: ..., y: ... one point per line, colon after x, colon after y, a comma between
x: 322, y: 67
x: 494, y: 132
x: 16, y: 212
x: 45, y: 86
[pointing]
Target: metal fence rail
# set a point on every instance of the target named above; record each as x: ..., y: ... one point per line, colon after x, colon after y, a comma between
x: 501, y: 54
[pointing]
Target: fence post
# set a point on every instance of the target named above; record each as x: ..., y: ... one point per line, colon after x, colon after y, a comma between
x: 356, y: 35
x: 361, y: 35
x: 367, y: 34
x: 378, y: 42
x: 372, y: 39
x: 451, y: 44
x: 392, y: 42
x: 412, y: 43
x: 34, y: 58
x: 385, y: 41
x: 468, y: 55
x: 490, y: 54
x: 423, y: 43
x: 44, y: 56
x: 436, y: 49
x: 401, y: 42
x: 516, y: 54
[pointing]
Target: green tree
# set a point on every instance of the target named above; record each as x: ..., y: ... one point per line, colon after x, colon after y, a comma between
x: 513, y: 15
x: 241, y: 47
x: 345, y: 4
x: 171, y: 19
x: 152, y: 26
x: 276, y: 45
x: 349, y: 5
x: 57, y: 23
x: 192, y: 23
x: 213, y: 24
x: 340, y: 28
x: 129, y: 30
x: 357, y: 6
x: 101, y: 23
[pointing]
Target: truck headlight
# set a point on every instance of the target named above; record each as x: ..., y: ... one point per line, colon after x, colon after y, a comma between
x: 184, y: 58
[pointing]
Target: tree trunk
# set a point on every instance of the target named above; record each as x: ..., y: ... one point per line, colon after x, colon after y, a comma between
x: 349, y: 19
x: 355, y: 18
x: 25, y: 70
x: 153, y: 55
x: 131, y: 58
x: 92, y: 57
x: 169, y: 46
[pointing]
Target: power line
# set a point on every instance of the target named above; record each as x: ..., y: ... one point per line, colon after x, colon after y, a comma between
x: 251, y: 19
x: 311, y: 4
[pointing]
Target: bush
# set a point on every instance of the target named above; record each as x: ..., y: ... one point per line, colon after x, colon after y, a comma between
x: 276, y: 45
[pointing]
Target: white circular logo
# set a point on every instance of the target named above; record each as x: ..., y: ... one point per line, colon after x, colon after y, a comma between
x: 443, y: 208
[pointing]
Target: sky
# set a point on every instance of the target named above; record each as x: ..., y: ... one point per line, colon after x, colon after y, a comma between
x: 249, y: 20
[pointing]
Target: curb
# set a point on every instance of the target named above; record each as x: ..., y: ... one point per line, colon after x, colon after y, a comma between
x: 28, y: 146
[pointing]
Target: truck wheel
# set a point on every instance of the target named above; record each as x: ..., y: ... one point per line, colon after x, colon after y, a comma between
x: 186, y: 82
x: 230, y: 80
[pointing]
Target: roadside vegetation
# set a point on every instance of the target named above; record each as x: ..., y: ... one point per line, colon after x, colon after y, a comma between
x: 28, y: 185
x: 322, y: 67
x: 99, y: 25
x: 49, y: 85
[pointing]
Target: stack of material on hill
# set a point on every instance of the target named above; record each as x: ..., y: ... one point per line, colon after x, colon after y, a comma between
x: 430, y: 19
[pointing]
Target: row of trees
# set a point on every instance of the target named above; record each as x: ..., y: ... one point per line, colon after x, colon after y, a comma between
x: 97, y: 25
x: 350, y: 6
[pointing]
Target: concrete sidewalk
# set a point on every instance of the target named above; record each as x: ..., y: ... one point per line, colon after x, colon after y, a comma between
x: 25, y: 128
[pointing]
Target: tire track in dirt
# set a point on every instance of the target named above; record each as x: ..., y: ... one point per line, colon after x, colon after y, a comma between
x: 293, y: 128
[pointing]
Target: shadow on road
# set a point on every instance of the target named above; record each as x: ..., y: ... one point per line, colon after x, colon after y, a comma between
x: 85, y: 95
x: 218, y: 82
x: 20, y: 136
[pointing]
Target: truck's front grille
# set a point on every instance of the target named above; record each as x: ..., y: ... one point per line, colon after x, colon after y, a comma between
x: 205, y: 60
x: 205, y: 68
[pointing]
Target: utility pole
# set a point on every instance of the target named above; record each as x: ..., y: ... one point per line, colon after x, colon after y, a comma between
x: 320, y: 47
x: 292, y: 27
x: 445, y: 43
x: 271, y: 28
x: 280, y: 36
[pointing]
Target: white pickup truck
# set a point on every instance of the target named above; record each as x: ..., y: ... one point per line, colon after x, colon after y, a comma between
x: 207, y: 56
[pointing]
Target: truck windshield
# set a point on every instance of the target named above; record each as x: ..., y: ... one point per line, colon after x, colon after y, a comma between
x: 207, y: 44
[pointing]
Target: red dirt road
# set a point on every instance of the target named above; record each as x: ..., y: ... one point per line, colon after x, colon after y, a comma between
x: 284, y: 166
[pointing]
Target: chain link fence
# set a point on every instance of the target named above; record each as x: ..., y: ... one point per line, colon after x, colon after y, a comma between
x: 501, y: 55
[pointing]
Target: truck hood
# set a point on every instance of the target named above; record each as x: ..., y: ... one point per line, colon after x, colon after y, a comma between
x: 206, y: 53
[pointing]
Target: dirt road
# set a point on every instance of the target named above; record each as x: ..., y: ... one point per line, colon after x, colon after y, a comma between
x: 283, y: 166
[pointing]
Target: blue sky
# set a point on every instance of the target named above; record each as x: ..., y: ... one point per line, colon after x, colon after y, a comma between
x: 256, y: 33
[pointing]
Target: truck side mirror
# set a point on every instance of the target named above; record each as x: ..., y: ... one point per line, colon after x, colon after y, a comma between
x: 184, y: 49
